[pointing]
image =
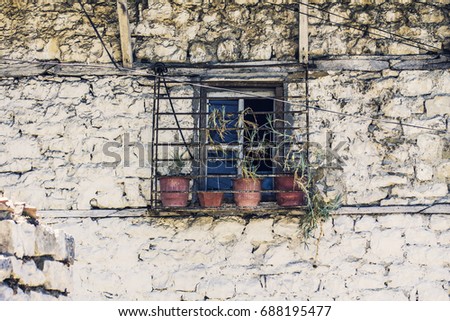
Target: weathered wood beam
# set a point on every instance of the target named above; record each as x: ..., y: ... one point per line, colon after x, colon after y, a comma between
x: 303, y: 32
x: 125, y: 34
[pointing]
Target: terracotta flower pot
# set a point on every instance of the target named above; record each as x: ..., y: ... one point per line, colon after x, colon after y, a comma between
x: 293, y: 195
x: 174, y: 191
x: 210, y: 199
x: 249, y: 188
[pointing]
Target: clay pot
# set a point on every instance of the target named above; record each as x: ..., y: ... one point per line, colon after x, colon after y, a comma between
x: 174, y: 191
x: 293, y: 195
x: 249, y: 195
x: 210, y: 199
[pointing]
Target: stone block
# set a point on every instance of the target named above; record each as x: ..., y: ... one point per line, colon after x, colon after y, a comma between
x: 444, y: 238
x: 228, y: 51
x: 218, y: 288
x: 420, y: 237
x: 250, y: 286
x: 343, y: 224
x: 404, y: 275
x: 5, y: 267
x: 415, y: 83
x: 387, y: 246
x: 432, y: 291
x: 430, y: 256
x: 279, y: 256
x: 366, y: 223
x: 259, y: 230
x: 73, y: 90
x: 286, y: 227
x: 366, y: 282
x: 424, y: 172
x: 440, y: 223
x: 383, y: 295
x: 54, y: 243
x: 10, y: 238
x: 6, y: 293
x: 227, y: 231
x: 27, y: 272
x: 57, y: 276
x: 430, y: 147
x: 443, y: 172
x: 27, y: 236
x: 439, y: 105
x: 402, y: 221
x: 186, y: 280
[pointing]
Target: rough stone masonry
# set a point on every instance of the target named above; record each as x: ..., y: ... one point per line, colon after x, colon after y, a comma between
x: 34, y: 258
x: 56, y: 118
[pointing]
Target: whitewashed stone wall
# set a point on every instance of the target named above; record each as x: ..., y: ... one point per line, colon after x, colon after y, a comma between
x: 54, y: 130
x: 358, y: 257
x: 201, y: 31
x: 34, y: 261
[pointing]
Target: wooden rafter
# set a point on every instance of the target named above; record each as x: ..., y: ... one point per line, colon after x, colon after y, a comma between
x: 125, y: 34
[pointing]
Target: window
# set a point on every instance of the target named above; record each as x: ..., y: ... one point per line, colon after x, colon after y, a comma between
x: 226, y: 148
x: 226, y: 133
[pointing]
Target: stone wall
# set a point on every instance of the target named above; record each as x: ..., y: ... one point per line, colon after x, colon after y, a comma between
x: 201, y: 31
x: 34, y: 258
x: 358, y: 257
x: 54, y: 130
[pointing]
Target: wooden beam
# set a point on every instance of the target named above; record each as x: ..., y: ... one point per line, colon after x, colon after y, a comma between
x: 303, y: 47
x: 125, y: 34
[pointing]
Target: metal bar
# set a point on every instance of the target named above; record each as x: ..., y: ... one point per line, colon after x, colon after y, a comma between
x: 211, y: 129
x: 176, y: 119
x: 303, y: 111
x: 152, y: 148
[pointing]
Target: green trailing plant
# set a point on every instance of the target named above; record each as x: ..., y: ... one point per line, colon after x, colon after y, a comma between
x: 293, y: 160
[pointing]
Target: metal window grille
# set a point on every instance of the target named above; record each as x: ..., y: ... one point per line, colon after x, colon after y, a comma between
x: 187, y: 140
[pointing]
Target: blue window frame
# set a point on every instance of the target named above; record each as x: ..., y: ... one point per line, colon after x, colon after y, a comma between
x: 224, y: 162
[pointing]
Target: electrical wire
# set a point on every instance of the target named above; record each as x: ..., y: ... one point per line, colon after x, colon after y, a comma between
x: 98, y: 34
x: 361, y: 27
x: 317, y: 108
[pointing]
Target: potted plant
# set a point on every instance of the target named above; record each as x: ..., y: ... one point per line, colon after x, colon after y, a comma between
x: 292, y: 186
x: 247, y: 188
x: 292, y: 181
x: 218, y: 124
x: 174, y: 184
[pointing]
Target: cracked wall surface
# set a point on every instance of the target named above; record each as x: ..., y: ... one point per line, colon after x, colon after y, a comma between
x: 55, y: 130
x: 370, y: 257
x: 204, y: 31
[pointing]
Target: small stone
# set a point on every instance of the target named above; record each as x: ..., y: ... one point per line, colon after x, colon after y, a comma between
x: 430, y: 147
x: 261, y: 52
x: 6, y: 293
x: 57, y: 276
x: 432, y: 291
x: 27, y: 272
x: 420, y: 237
x: 387, y: 246
x: 228, y: 51
x: 31, y: 212
x: 219, y: 288
x: 5, y: 267
x: 366, y: 223
x: 343, y: 224
x: 53, y: 242
x: 259, y: 230
x: 440, y: 223
x: 186, y: 280
x: 439, y: 105
x: 424, y: 172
